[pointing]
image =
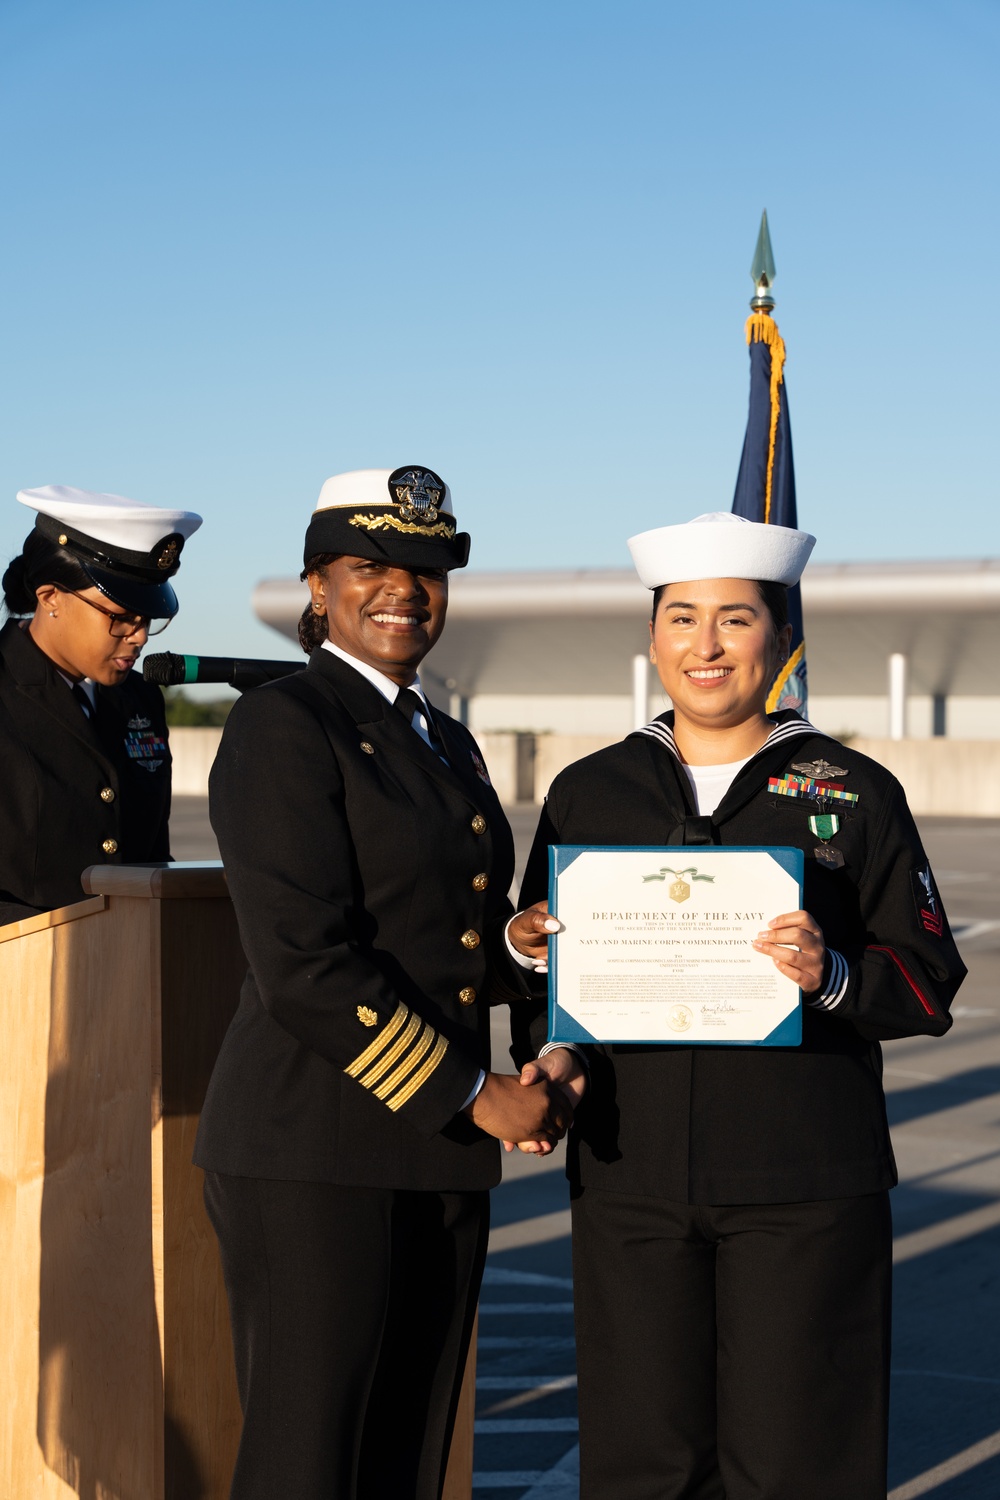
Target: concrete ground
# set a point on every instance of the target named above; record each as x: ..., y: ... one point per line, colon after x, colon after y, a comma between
x: 944, y: 1105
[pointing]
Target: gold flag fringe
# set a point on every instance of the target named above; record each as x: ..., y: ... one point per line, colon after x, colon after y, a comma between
x: 762, y: 329
x: 778, y: 686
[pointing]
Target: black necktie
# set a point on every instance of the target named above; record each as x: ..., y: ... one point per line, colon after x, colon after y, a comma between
x: 409, y: 703
x: 81, y: 697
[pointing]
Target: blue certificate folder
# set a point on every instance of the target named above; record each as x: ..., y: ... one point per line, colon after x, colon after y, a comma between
x: 564, y: 1027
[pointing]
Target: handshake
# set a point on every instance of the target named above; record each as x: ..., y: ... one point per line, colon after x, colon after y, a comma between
x: 535, y: 1110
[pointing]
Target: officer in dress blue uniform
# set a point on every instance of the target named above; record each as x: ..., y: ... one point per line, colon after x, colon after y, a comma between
x: 83, y: 740
x: 350, y: 1131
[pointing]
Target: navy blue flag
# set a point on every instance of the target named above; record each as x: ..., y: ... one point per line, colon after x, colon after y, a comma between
x: 765, y: 485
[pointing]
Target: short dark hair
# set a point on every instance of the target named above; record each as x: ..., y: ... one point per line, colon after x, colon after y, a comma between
x: 773, y: 596
x: 39, y: 562
x: 313, y: 628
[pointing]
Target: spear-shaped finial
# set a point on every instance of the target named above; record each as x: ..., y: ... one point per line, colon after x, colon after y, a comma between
x: 762, y: 271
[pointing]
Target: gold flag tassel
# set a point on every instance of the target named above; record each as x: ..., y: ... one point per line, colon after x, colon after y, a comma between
x: 762, y: 329
x: 781, y: 681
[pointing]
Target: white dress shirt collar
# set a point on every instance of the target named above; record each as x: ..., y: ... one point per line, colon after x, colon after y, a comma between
x: 87, y: 683
x: 390, y: 690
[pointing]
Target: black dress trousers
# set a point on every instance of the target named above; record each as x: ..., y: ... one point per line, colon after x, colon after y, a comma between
x: 351, y: 1310
x: 732, y: 1353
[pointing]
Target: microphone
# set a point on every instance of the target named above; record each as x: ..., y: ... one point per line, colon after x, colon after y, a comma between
x: 167, y: 669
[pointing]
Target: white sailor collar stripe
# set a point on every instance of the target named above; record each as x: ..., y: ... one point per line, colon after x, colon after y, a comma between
x: 792, y: 729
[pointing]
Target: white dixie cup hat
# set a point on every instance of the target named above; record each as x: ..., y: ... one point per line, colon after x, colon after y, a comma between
x: 720, y: 545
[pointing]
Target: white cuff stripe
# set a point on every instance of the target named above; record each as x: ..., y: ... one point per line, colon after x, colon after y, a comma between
x: 836, y: 986
x: 570, y: 1047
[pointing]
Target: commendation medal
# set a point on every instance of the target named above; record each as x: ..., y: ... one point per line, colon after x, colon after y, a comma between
x: 824, y: 826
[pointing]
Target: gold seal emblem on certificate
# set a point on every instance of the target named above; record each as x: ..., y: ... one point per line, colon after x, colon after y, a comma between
x: 679, y: 1018
x: 680, y: 890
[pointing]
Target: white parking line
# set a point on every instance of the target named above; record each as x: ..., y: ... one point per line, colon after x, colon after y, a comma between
x: 945, y: 1232
x: 531, y: 1341
x: 526, y: 1382
x: 563, y: 1479
x: 961, y: 1463
x: 971, y: 928
x: 545, y: 1483
x: 949, y: 1375
x: 537, y: 1231
x: 519, y: 1308
x: 497, y: 1276
x: 507, y: 1426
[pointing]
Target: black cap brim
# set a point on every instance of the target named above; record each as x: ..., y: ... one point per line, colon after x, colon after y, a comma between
x: 157, y: 601
x: 336, y: 530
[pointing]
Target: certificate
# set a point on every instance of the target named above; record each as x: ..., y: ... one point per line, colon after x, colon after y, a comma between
x: 656, y: 945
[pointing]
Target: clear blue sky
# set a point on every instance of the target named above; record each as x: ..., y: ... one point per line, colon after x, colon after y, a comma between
x: 248, y: 245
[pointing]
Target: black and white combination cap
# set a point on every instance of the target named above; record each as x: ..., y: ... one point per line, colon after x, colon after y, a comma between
x: 720, y: 545
x: 128, y: 550
x: 398, y: 516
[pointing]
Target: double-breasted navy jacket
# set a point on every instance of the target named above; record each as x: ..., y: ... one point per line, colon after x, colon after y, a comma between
x: 370, y: 880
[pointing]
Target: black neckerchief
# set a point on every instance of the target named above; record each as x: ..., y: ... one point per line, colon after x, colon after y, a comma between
x: 694, y: 828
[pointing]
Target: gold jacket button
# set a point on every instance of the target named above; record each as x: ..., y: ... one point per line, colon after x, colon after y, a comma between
x: 367, y: 748
x: 479, y: 824
x: 110, y: 846
x: 480, y: 882
x: 471, y: 939
x: 468, y: 995
x: 107, y: 794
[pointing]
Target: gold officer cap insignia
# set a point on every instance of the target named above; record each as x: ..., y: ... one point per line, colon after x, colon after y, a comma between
x: 367, y: 1016
x: 168, y: 553
x: 418, y: 493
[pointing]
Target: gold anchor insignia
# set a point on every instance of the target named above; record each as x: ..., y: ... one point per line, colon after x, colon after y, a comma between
x: 367, y: 1016
x: 168, y: 554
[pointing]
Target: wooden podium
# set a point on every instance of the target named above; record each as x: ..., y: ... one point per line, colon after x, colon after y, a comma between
x: 116, y: 1371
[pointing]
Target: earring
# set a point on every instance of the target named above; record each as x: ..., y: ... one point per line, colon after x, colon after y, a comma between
x: 52, y: 614
x: 318, y: 608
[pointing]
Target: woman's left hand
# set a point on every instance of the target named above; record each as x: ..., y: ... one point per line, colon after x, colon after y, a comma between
x: 795, y: 930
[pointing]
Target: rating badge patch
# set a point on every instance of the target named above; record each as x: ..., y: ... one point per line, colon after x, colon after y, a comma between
x: 929, y: 913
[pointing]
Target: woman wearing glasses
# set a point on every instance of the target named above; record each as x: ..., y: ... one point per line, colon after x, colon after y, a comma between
x: 84, y: 764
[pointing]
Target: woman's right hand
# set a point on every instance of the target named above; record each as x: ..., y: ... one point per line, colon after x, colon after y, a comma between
x: 512, y: 1111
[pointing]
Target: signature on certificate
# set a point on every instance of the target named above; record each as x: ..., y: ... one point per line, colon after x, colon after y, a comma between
x: 718, y: 1008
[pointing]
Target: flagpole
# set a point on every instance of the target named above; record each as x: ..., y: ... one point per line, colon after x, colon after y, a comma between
x: 765, y: 484
x: 763, y: 270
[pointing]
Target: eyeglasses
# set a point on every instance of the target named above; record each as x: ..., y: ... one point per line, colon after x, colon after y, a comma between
x: 122, y: 625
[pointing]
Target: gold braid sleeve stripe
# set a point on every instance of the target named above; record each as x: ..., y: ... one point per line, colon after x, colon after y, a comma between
x: 396, y: 1051
x: 407, y: 1065
x: 420, y: 1077
x: 383, y: 1039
